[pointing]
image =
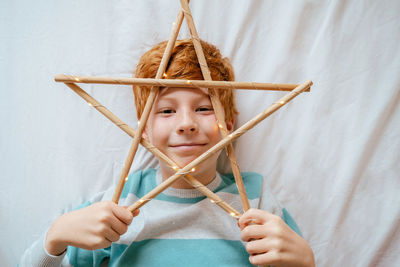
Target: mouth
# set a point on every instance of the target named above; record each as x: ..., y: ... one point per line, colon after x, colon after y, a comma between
x: 188, y: 145
x: 188, y: 148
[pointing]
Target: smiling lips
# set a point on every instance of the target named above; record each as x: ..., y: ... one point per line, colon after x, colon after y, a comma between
x: 188, y: 147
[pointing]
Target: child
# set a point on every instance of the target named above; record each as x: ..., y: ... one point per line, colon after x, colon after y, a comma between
x: 180, y: 227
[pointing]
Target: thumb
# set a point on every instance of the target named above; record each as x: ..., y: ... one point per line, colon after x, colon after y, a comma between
x: 123, y: 214
x: 134, y: 213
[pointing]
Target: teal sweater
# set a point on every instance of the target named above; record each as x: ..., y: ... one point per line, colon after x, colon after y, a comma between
x: 180, y: 227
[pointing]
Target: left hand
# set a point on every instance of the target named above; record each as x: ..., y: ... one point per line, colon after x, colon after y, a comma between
x: 272, y: 242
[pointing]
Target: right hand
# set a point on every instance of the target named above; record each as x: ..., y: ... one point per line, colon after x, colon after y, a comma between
x: 93, y: 227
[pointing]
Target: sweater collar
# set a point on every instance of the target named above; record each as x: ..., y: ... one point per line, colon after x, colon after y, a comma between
x: 188, y: 193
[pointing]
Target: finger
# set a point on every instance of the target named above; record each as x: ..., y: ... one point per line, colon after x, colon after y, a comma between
x: 111, y: 235
x: 253, y: 216
x: 135, y: 212
x: 123, y: 214
x: 118, y: 226
x: 253, y: 232
x: 257, y: 246
x: 268, y: 258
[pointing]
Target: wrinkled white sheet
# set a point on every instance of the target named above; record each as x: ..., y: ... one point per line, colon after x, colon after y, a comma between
x: 331, y: 156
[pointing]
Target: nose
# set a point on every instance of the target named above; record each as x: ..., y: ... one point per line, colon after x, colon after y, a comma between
x: 186, y: 123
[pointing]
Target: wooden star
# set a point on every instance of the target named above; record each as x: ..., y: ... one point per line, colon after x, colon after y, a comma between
x: 158, y: 82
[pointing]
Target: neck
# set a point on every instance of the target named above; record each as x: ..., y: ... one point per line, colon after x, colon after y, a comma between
x: 203, y: 175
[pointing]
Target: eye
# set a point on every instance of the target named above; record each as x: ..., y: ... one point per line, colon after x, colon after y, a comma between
x: 166, y: 111
x: 204, y: 109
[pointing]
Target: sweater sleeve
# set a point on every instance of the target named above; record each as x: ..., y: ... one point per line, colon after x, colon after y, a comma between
x: 36, y: 255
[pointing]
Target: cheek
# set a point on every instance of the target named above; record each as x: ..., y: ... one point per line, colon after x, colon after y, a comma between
x: 217, y: 130
x: 213, y: 128
x: 158, y: 129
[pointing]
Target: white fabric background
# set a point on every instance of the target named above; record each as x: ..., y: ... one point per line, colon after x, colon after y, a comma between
x: 331, y: 156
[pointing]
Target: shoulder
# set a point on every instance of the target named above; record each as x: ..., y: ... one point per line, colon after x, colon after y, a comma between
x: 140, y: 182
x: 137, y: 183
x: 258, y: 192
x: 252, y: 182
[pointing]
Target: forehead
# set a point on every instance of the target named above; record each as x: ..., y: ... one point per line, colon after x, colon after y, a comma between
x: 172, y: 92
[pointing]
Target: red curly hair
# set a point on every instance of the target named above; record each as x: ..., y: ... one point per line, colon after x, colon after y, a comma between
x: 183, y: 64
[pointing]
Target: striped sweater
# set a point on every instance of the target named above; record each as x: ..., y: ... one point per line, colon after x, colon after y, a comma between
x: 179, y: 227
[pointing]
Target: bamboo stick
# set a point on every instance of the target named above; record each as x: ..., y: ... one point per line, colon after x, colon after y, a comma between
x: 123, y: 126
x: 221, y: 144
x: 149, y: 104
x: 176, y: 83
x: 219, y: 110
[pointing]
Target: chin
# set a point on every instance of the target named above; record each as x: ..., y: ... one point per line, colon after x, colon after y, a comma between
x: 183, y: 162
x: 200, y: 169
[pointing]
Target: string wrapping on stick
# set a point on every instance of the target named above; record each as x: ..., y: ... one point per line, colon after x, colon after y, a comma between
x: 176, y: 83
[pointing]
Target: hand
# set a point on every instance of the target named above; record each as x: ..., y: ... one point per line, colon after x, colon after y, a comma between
x: 92, y: 227
x: 272, y: 242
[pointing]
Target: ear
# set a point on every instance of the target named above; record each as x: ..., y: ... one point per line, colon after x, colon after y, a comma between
x: 145, y: 135
x: 230, y: 125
